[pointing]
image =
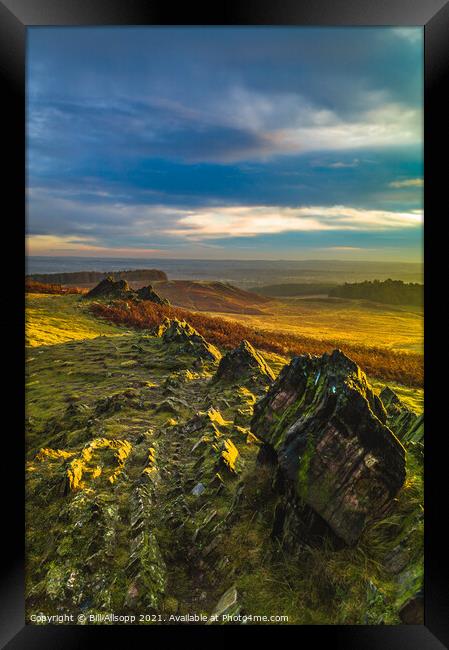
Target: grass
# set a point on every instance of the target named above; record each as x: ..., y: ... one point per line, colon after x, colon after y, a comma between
x: 39, y: 287
x: 321, y: 585
x: 77, y: 358
x: 211, y: 296
x: 354, y: 322
x: 413, y: 398
x: 52, y: 319
x: 380, y: 362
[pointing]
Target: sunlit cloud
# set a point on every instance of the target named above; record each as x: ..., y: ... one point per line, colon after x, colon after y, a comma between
x: 248, y: 221
x: 410, y: 182
x: 64, y: 245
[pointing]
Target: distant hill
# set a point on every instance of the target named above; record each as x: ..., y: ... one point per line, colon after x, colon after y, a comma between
x: 86, y: 278
x: 293, y: 289
x: 211, y: 296
x: 392, y: 292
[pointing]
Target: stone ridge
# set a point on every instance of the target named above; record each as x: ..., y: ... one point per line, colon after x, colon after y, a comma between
x: 120, y: 290
x: 187, y: 338
x: 109, y: 288
x: 406, y: 424
x: 244, y: 362
x: 148, y: 293
x: 328, y: 431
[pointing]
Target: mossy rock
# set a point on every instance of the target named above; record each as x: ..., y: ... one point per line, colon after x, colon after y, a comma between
x: 244, y: 364
x: 327, y: 428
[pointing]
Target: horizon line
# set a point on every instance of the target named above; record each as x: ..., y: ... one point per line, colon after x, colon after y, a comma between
x: 228, y: 259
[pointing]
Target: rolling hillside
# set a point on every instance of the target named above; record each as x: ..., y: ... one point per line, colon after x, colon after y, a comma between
x: 211, y: 296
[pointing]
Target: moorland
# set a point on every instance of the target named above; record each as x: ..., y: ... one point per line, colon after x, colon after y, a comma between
x: 161, y: 477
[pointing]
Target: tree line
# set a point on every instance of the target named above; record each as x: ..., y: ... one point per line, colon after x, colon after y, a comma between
x: 393, y: 292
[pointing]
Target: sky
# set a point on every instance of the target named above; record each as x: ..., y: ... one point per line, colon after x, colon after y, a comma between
x: 225, y: 143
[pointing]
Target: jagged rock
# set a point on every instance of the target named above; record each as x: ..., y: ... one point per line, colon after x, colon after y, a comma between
x: 148, y: 293
x: 227, y: 606
x: 242, y: 417
x: 109, y: 288
x: 405, y: 423
x: 188, y: 339
x: 412, y: 613
x: 171, y: 405
x: 205, y: 418
x: 175, y: 380
x: 146, y: 568
x: 118, y: 401
x: 242, y: 364
x: 325, y: 428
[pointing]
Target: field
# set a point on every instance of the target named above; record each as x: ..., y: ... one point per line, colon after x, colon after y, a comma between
x: 53, y: 319
x: 350, y: 321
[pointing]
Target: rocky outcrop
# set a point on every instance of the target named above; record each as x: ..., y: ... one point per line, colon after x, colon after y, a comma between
x: 120, y: 290
x: 111, y: 289
x: 326, y: 431
x: 187, y: 339
x: 405, y: 423
x: 148, y: 293
x: 213, y: 451
x: 244, y: 363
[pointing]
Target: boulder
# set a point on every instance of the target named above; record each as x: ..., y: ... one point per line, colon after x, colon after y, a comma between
x: 187, y: 338
x: 109, y: 288
x: 244, y: 363
x: 412, y: 613
x: 325, y: 430
x: 405, y: 423
x: 227, y: 607
x: 148, y: 293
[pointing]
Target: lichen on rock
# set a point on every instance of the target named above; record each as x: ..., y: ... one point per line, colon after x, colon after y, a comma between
x: 406, y: 424
x: 244, y: 363
x: 188, y: 340
x: 327, y: 430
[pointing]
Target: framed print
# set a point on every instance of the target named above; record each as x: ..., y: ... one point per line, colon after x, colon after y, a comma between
x: 224, y: 312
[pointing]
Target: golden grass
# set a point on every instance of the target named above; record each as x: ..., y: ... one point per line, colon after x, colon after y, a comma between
x: 356, y: 322
x: 52, y: 319
x: 40, y: 287
x: 383, y: 363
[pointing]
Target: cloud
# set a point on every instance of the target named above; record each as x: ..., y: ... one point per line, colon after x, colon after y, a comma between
x: 249, y: 221
x: 411, y: 34
x: 57, y: 244
x: 409, y: 182
x: 238, y: 124
x: 339, y: 164
x: 142, y: 138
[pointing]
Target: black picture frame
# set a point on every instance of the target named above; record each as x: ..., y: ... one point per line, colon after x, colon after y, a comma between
x: 15, y: 17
